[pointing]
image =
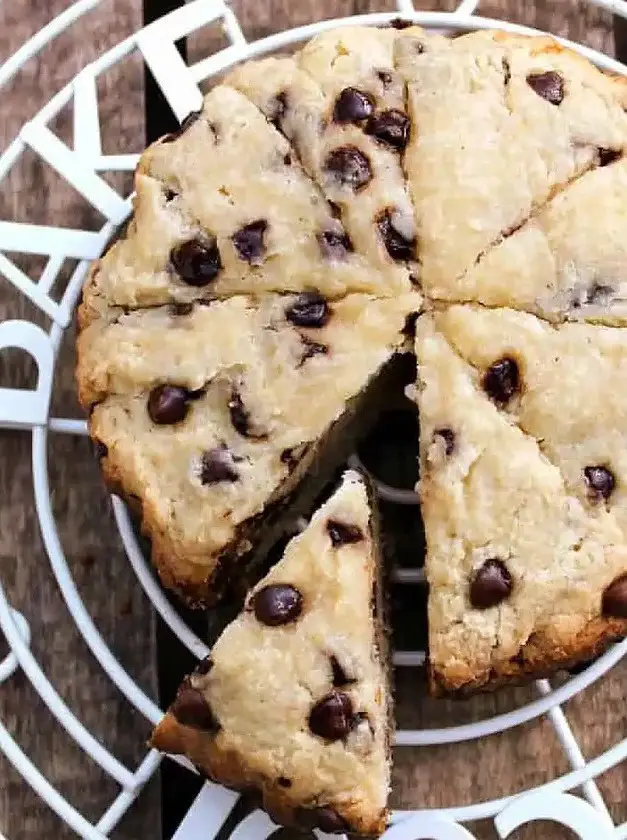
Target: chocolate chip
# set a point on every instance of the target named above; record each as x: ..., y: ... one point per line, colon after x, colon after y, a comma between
x: 180, y: 309
x: 448, y: 437
x: 101, y: 449
x: 191, y: 709
x: 277, y: 109
x: 491, y: 584
x: 352, y: 105
x: 400, y: 23
x: 189, y: 120
x: 168, y: 404
x: 502, y: 380
x: 324, y: 818
x: 339, y: 675
x: 600, y: 482
x: 287, y: 159
x: 197, y: 263
x: 332, y: 717
x: 615, y: 598
x: 277, y: 604
x: 309, y: 309
x: 335, y: 246
x: 205, y: 666
x: 507, y: 72
x: 385, y: 77
x: 396, y: 244
x: 607, y: 156
x: 170, y: 195
x: 218, y: 465
x: 342, y: 533
x: 336, y: 210
x: 349, y: 166
x: 284, y: 782
x: 249, y: 241
x: 311, y: 348
x: 549, y: 86
x: 240, y: 417
x: 390, y: 127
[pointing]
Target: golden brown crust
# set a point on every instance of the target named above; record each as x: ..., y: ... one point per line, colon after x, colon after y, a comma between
x: 229, y: 768
x: 539, y: 657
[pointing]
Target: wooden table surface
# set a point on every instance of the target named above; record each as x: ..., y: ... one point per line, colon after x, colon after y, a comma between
x: 425, y: 777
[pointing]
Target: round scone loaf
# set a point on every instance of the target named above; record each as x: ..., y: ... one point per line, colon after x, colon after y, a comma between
x: 290, y: 240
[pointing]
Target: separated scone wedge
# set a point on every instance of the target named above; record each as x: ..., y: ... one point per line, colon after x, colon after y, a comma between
x: 294, y: 700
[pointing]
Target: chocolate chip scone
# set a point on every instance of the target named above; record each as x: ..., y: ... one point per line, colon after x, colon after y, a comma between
x: 224, y: 207
x: 293, y: 701
x: 341, y: 103
x: 500, y: 124
x: 522, y: 491
x: 278, y: 238
x: 209, y: 416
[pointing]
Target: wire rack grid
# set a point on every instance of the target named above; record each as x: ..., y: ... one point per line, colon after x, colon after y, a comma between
x: 586, y: 814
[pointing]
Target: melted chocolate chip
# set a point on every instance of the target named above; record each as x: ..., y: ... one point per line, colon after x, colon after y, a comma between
x: 397, y: 246
x: 342, y: 533
x: 390, y: 127
x: 309, y: 309
x: 324, y: 818
x: 287, y: 159
x: 278, y: 108
x: 600, y: 482
x: 311, y: 348
x: 491, y: 584
x: 502, y: 380
x: 507, y: 72
x: 336, y: 210
x: 189, y: 120
x: 101, y: 449
x: 249, y: 241
x: 284, y: 782
x: 277, y: 604
x: 180, y: 309
x: 335, y: 246
x: 615, y: 598
x: 549, y: 86
x: 352, y: 105
x: 191, y: 709
x: 197, y: 263
x: 170, y: 195
x: 168, y: 404
x: 448, y: 437
x: 332, y: 717
x: 385, y: 77
x: 339, y: 675
x: 240, y: 417
x: 349, y: 166
x: 607, y: 156
x: 218, y: 465
x: 205, y: 666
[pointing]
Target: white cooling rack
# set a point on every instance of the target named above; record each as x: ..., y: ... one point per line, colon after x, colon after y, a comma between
x: 585, y: 813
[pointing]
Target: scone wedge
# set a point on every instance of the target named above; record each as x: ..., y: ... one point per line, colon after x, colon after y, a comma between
x: 523, y: 477
x: 211, y: 418
x: 293, y: 701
